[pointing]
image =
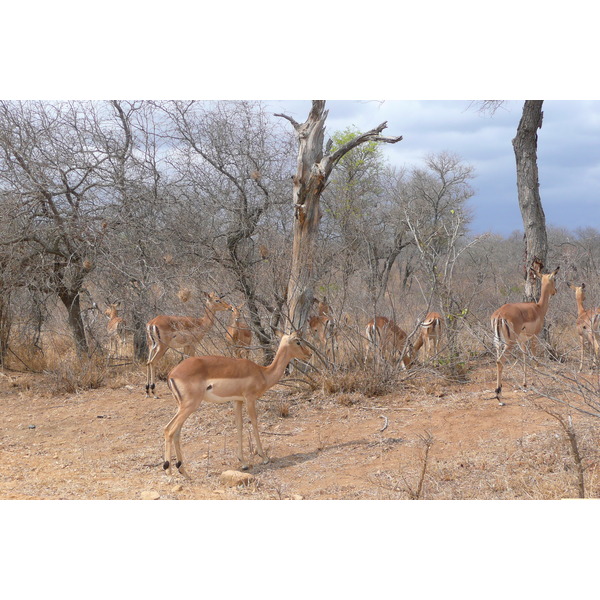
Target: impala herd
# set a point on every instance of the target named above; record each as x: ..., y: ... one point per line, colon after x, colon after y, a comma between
x: 238, y: 380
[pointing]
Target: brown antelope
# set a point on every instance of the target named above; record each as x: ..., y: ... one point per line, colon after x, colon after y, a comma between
x: 221, y: 379
x: 430, y: 334
x: 588, y: 324
x: 519, y: 322
x: 166, y: 332
x: 389, y: 339
x: 322, y: 328
x: 239, y: 335
x: 115, y: 327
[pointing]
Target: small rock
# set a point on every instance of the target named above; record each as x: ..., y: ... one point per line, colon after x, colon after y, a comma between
x: 150, y: 495
x: 32, y: 427
x: 177, y: 488
x: 297, y: 497
x: 234, y: 478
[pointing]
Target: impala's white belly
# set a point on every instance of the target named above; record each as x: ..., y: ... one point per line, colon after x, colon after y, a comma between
x: 221, y: 391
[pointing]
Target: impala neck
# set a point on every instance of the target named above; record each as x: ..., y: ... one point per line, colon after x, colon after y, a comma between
x: 274, y: 372
x: 208, y: 319
x: 544, y: 299
x: 580, y: 310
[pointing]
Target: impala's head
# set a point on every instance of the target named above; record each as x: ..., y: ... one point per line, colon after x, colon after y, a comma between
x: 111, y: 309
x: 298, y: 347
x: 323, y: 309
x: 216, y: 303
x: 548, y: 280
x: 579, y: 290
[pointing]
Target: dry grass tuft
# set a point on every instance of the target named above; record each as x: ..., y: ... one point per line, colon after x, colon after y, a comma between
x: 367, y: 381
x: 75, y: 374
x: 282, y: 409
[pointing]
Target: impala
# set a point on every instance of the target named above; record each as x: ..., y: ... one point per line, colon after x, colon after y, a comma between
x: 178, y: 332
x: 517, y: 323
x: 383, y: 334
x: 430, y: 334
x: 116, y: 330
x: 322, y: 327
x: 588, y: 323
x: 239, y: 335
x: 221, y: 380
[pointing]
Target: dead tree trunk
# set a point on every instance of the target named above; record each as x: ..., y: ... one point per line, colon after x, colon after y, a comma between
x: 314, y: 166
x: 528, y: 187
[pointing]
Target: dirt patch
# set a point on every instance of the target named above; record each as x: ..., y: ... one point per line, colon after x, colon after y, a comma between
x: 108, y: 444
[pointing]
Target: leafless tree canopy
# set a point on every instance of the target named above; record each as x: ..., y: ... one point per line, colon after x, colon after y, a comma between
x: 136, y: 201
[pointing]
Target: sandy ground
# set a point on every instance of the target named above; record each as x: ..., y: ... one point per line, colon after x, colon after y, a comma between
x: 107, y: 444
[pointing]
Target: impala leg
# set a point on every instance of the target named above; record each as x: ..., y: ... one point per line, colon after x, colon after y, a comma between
x: 238, y: 423
x: 500, y: 359
x: 251, y: 406
x: 582, y: 345
x: 525, y: 347
x: 179, y: 453
x: 172, y: 437
x: 499, y: 368
x: 155, y: 354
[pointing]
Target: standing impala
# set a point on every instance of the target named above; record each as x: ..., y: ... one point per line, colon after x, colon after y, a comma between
x: 518, y: 322
x: 322, y: 328
x: 384, y: 335
x: 116, y: 330
x: 430, y: 334
x: 178, y: 332
x: 588, y: 323
x: 222, y: 379
x: 239, y: 335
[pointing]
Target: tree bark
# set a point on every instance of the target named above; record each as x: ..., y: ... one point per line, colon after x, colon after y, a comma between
x: 314, y: 165
x: 70, y: 299
x: 532, y: 213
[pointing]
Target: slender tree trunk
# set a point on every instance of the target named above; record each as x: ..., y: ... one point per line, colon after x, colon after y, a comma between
x: 308, y: 185
x: 314, y: 166
x: 71, y: 301
x: 5, y: 323
x: 528, y: 187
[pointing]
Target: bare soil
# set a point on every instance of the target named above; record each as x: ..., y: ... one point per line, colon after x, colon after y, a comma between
x: 107, y: 443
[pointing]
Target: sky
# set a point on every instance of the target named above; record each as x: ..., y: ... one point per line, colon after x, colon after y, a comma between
x: 568, y: 151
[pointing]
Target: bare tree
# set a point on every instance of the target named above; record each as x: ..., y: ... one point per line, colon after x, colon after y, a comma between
x: 54, y: 165
x: 239, y: 162
x: 437, y: 215
x: 534, y: 220
x: 314, y: 166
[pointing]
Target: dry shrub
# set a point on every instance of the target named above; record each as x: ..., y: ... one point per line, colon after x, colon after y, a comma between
x: 165, y: 364
x: 368, y: 381
x: 282, y: 409
x: 348, y: 399
x: 25, y: 357
x: 75, y: 374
